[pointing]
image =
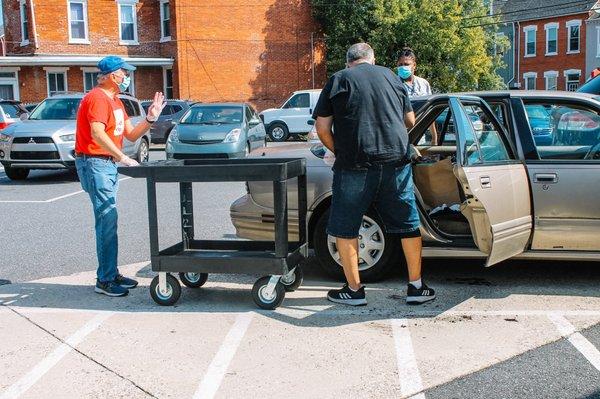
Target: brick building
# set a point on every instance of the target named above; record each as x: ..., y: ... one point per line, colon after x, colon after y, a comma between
x: 207, y: 51
x: 549, y: 42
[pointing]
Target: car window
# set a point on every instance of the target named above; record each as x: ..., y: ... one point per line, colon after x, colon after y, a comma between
x: 213, y: 115
x: 12, y: 111
x: 298, y: 101
x: 56, y: 109
x: 176, y: 108
x: 562, y: 131
x: 492, y: 147
x: 146, y: 106
x: 441, y: 132
x: 248, y: 114
x: 167, y: 110
x: 130, y: 108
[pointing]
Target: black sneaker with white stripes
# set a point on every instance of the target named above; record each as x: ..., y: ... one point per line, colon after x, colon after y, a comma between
x: 416, y: 296
x: 347, y: 296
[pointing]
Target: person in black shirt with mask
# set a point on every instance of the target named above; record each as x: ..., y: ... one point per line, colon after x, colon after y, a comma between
x: 369, y: 110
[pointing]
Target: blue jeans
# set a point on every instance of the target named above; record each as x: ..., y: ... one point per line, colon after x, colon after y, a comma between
x: 388, y: 188
x: 99, y: 178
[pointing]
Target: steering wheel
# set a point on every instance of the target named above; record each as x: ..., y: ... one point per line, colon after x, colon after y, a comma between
x: 594, y: 152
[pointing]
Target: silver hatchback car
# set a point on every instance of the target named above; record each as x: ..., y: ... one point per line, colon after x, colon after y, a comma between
x: 46, y: 139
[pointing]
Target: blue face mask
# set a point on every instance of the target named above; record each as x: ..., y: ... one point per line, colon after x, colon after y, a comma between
x: 124, y: 85
x: 404, y: 72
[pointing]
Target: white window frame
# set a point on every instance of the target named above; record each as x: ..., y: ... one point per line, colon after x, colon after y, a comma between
x: 528, y: 75
x: 85, y: 40
x: 526, y: 31
x: 85, y: 70
x: 56, y: 70
x: 569, y: 25
x: 165, y: 69
x: 551, y: 74
x: 133, y: 5
x: 164, y: 38
x: 12, y: 81
x: 571, y: 72
x: 547, y: 27
x: 23, y: 14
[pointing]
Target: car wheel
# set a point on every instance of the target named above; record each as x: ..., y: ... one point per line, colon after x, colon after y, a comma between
x: 278, y: 132
x: 379, y: 252
x: 248, y: 150
x: 143, y: 152
x: 16, y: 173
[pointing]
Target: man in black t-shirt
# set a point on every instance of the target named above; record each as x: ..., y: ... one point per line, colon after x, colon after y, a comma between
x: 369, y: 110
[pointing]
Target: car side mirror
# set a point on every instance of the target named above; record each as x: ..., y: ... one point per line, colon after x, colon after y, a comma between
x: 254, y: 122
x: 24, y: 116
x: 311, y: 122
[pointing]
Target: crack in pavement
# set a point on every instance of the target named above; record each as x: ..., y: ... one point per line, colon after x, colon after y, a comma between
x: 81, y: 353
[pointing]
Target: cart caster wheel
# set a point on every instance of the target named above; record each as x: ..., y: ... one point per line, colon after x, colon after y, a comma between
x: 259, y: 295
x: 193, y: 280
x: 292, y: 281
x: 170, y: 296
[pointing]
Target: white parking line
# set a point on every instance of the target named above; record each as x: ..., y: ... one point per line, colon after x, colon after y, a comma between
x: 52, y: 199
x: 29, y: 379
x: 408, y: 371
x: 584, y: 346
x: 218, y: 367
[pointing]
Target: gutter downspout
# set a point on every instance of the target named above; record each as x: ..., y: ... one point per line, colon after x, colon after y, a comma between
x: 518, y: 58
x: 35, y: 36
x: 513, y: 54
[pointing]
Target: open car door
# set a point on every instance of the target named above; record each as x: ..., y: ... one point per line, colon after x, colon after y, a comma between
x: 497, y: 196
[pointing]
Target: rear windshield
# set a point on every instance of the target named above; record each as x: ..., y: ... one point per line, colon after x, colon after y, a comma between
x: 11, y: 110
x: 213, y: 115
x: 56, y: 109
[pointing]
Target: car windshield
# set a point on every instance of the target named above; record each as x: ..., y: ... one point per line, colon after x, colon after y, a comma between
x: 213, y: 115
x: 591, y: 86
x: 537, y: 111
x: 11, y: 110
x: 56, y: 109
x: 146, y: 106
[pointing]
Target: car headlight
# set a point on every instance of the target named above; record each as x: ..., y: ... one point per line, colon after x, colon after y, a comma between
x: 233, y: 136
x: 4, y: 138
x: 173, y: 136
x: 68, y: 137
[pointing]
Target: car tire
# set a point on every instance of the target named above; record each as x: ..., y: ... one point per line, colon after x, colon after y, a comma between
x: 143, y: 152
x: 385, y: 260
x: 16, y: 173
x: 278, y: 132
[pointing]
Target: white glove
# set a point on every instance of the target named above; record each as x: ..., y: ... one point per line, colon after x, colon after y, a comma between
x: 126, y: 161
x: 329, y: 158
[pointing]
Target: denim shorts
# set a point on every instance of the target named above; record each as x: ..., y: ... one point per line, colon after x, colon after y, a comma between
x: 389, y: 189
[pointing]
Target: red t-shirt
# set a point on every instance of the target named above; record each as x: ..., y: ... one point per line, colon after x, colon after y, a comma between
x: 97, y: 106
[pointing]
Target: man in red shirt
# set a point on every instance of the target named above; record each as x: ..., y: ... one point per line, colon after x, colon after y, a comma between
x: 102, y: 123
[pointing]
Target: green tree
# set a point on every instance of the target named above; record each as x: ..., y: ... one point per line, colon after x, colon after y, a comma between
x: 452, y: 38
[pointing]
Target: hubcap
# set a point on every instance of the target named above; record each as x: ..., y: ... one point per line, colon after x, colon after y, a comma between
x: 192, y: 277
x: 263, y: 295
x: 277, y: 133
x: 166, y: 294
x: 371, y: 243
x: 288, y: 279
x: 144, y: 151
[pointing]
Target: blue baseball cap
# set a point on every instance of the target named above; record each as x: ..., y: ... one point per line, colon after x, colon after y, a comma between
x: 113, y: 63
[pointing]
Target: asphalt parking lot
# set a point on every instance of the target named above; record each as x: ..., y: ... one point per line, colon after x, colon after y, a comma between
x: 517, y: 330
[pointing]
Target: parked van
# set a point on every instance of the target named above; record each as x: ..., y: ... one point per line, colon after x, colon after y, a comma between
x: 291, y: 119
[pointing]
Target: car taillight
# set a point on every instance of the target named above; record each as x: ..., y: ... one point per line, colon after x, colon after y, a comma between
x: 3, y: 125
x: 578, y: 120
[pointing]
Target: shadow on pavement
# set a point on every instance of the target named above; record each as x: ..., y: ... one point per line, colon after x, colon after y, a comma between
x: 456, y: 282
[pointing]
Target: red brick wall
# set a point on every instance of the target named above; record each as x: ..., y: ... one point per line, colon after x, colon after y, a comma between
x: 231, y: 52
x: 223, y: 50
x: 561, y: 62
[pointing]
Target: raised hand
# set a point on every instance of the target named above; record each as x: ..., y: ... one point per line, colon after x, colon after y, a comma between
x: 156, y: 107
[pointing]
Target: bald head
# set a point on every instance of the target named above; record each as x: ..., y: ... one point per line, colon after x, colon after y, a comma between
x: 360, y: 52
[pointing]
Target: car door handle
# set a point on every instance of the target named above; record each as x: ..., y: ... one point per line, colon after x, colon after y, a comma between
x: 485, y: 181
x: 168, y: 120
x: 545, y: 178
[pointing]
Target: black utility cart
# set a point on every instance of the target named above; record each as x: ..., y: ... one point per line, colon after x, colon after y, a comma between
x: 193, y: 259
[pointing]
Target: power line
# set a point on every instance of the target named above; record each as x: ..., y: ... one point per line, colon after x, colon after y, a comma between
x: 559, y: 6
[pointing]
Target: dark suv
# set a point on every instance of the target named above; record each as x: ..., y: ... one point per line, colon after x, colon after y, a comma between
x: 159, y: 132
